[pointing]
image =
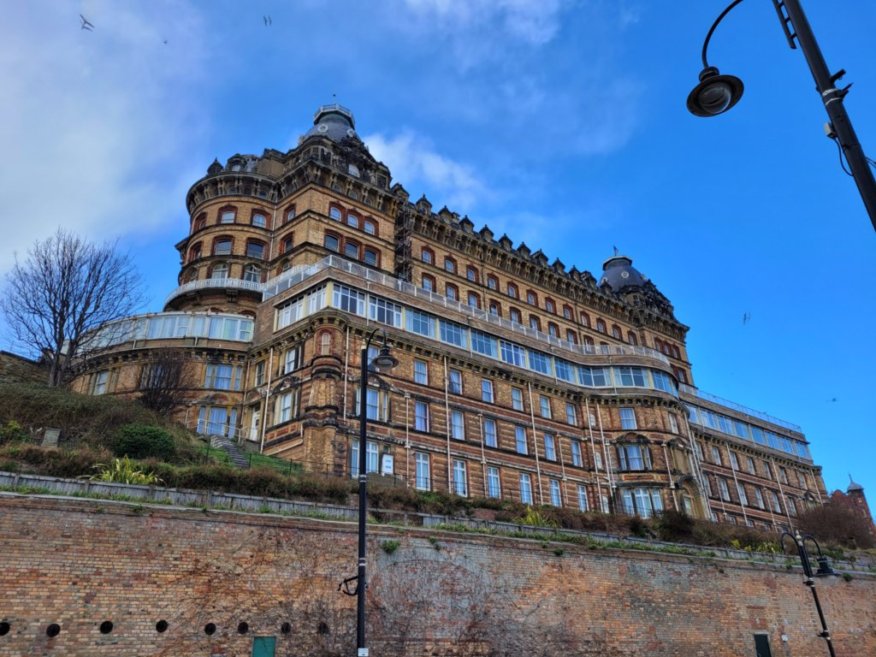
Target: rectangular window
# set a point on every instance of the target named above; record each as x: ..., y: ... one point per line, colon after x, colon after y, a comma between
x: 98, y: 386
x: 490, y: 433
x: 482, y: 343
x: 539, y: 362
x: 457, y: 425
x: 453, y: 333
x: 594, y: 377
x: 544, y: 406
x: 565, y: 370
x: 494, y: 486
x: 454, y: 382
x: 724, y: 489
x: 582, y: 499
x: 571, y: 414
x: 371, y: 457
x: 517, y: 399
x: 749, y: 465
x: 520, y: 440
x: 577, y: 461
x: 628, y: 419
x: 525, y: 489
x: 734, y: 461
x: 631, y: 376
x: 774, y: 499
x: 550, y: 449
x: 423, y: 477
x: 460, y: 479
x: 349, y: 300
x: 556, y: 498
x: 420, y: 323
x: 285, y: 407
x: 421, y: 372
x: 716, y: 455
x: 260, y: 373
x: 512, y: 354
x: 385, y: 312
x: 758, y: 498
x: 377, y: 404
x: 743, y: 498
x: 673, y: 423
x: 421, y: 416
x: 223, y: 377
x: 487, y: 391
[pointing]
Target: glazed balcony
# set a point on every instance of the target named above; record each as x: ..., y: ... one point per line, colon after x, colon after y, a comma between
x: 213, y: 284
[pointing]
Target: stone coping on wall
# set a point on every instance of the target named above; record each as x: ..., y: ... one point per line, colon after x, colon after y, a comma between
x: 13, y: 484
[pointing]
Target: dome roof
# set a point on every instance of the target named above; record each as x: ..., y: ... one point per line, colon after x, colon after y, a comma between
x: 333, y: 121
x: 618, y: 272
x: 853, y: 486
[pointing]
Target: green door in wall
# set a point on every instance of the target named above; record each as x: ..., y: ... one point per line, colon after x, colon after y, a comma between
x: 264, y: 646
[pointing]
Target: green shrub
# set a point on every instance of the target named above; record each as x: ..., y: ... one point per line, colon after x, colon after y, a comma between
x: 13, y: 432
x: 142, y: 441
x: 675, y: 526
x: 389, y: 546
x: 124, y: 471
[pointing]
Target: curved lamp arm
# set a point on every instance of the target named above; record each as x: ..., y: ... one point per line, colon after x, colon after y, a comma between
x: 712, y: 30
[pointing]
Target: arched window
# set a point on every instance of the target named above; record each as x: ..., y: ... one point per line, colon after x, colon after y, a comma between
x: 567, y: 312
x: 512, y: 290
x: 495, y: 308
x: 259, y: 220
x: 553, y: 330
x: 222, y: 246
x: 427, y: 255
x: 616, y: 332
x: 351, y: 249
x: 600, y: 326
x: 200, y: 222
x: 571, y: 336
x: 288, y: 242
x: 325, y: 343
x: 589, y: 347
x: 531, y: 298
x: 585, y: 320
x: 428, y: 283
x: 255, y: 249
x: 451, y: 291
x: 471, y: 273
x: 492, y: 282
x: 332, y: 242
x: 370, y: 256
x: 534, y: 323
x: 335, y: 213
x: 515, y: 316
x: 369, y: 226
x: 352, y: 220
x: 631, y: 338
x: 227, y: 215
x: 449, y: 264
x: 550, y: 306
x: 252, y: 274
x: 219, y: 270
x: 290, y: 214
x: 194, y: 252
x: 676, y: 353
x: 474, y: 300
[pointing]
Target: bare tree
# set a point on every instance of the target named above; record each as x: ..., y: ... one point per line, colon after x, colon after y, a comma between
x: 164, y: 378
x: 63, y: 290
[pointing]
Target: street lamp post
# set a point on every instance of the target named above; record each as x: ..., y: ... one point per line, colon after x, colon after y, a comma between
x: 383, y: 361
x: 824, y: 569
x: 717, y: 93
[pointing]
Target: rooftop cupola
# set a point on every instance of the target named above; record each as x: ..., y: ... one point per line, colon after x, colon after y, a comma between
x: 618, y: 272
x: 333, y: 121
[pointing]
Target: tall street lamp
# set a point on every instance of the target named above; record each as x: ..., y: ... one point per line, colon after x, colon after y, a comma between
x: 824, y: 570
x: 384, y: 361
x: 716, y: 93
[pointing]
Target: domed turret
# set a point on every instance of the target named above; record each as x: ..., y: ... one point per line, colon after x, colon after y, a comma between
x: 333, y: 121
x: 618, y: 273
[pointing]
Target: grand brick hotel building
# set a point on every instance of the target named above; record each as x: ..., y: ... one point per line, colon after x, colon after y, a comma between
x: 519, y: 378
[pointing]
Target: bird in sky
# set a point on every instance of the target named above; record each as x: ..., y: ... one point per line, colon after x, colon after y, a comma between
x: 746, y: 317
x: 86, y: 24
x: 267, y: 20
x: 833, y: 399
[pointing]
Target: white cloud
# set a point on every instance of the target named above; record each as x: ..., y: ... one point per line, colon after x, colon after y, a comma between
x: 413, y: 161
x: 98, y: 124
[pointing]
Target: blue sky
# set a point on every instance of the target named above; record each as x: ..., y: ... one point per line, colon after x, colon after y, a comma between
x: 562, y: 123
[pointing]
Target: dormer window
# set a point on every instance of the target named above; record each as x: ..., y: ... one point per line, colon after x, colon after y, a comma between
x: 259, y: 220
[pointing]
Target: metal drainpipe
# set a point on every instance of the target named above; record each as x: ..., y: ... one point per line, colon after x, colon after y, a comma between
x: 593, y: 449
x: 346, y: 370
x: 483, y: 452
x: 535, y: 444
x: 267, y: 397
x: 605, y: 454
x: 407, y: 439
x: 241, y: 405
x: 447, y: 423
x: 783, y: 499
x: 736, y: 481
x: 671, y: 480
x: 698, y: 470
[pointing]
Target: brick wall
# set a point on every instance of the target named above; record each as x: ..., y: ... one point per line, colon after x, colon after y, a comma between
x: 81, y: 563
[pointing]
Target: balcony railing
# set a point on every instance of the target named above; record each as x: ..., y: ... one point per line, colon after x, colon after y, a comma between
x: 694, y: 392
x: 207, y: 283
x: 296, y: 275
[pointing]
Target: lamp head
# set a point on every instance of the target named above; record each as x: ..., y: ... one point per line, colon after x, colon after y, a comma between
x: 384, y: 361
x: 824, y: 568
x: 715, y: 93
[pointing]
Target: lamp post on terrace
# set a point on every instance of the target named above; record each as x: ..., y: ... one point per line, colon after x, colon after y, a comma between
x: 384, y: 361
x: 824, y: 570
x: 716, y: 93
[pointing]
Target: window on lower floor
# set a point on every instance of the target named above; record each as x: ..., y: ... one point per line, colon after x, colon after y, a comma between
x: 372, y: 457
x: 457, y: 425
x: 628, y: 418
x: 285, y: 406
x: 421, y: 416
x: 724, y: 489
x: 556, y: 496
x: 520, y: 439
x: 525, y: 489
x: 517, y: 399
x: 583, y: 504
x: 571, y: 414
x: 377, y: 404
x: 487, y: 391
x: 577, y: 461
x: 220, y: 376
x: 494, y: 485
x: 217, y: 421
x: 633, y: 457
x: 743, y: 498
x: 460, y: 478
x: 643, y: 502
x: 758, y: 498
x: 454, y: 382
x: 252, y: 274
x: 423, y: 471
x: 421, y: 372
x: 550, y: 450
